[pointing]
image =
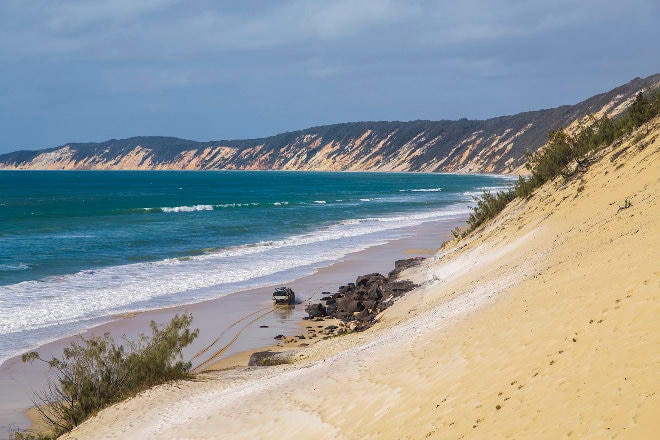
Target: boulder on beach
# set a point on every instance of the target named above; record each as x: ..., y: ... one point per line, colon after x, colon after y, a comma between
x: 269, y: 358
x: 315, y: 310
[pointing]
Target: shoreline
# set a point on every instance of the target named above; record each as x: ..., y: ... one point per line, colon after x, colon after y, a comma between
x: 19, y: 380
x: 536, y: 325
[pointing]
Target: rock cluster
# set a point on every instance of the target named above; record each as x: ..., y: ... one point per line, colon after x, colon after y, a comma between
x: 357, y: 304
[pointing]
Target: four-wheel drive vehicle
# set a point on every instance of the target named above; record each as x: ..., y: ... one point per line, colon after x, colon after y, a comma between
x: 284, y: 295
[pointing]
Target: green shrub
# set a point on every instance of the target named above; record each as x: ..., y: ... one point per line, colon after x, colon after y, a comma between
x: 94, y: 373
x: 524, y: 186
x: 159, y: 358
x: 459, y: 232
x: 640, y: 111
x: 548, y: 163
x: 488, y: 206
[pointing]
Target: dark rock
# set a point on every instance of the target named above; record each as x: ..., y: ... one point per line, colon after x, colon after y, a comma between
x: 366, y: 280
x: 263, y: 326
x: 344, y: 316
x: 279, y: 337
x: 347, y: 304
x: 375, y: 292
x: 369, y: 305
x: 268, y: 358
x: 258, y: 357
x: 398, y: 288
x: 360, y: 292
x: 401, y: 265
x: 315, y: 310
x: 364, y: 315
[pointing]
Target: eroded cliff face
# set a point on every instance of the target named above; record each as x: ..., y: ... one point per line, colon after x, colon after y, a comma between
x: 495, y: 145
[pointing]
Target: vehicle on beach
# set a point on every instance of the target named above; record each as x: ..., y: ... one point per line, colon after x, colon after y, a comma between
x: 284, y: 295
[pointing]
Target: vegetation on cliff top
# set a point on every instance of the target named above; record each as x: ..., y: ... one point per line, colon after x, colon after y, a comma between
x: 562, y: 150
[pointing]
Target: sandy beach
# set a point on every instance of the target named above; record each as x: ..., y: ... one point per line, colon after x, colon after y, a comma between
x: 228, y: 317
x: 543, y: 324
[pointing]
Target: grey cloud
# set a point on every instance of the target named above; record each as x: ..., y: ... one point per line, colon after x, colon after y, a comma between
x: 294, y: 63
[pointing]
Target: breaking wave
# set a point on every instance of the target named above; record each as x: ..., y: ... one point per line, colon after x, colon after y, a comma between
x: 421, y: 190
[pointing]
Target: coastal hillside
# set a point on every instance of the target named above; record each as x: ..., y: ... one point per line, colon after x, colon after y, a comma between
x: 496, y: 145
x: 542, y: 323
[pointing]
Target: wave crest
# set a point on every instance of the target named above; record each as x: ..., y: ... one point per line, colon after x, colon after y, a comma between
x: 421, y: 190
x: 13, y: 267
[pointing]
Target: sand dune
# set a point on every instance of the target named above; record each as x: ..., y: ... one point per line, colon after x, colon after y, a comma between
x: 541, y: 325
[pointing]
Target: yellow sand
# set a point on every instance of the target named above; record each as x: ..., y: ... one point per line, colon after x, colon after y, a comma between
x: 545, y: 324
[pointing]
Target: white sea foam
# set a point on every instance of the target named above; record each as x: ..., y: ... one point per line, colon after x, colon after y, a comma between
x: 480, y: 191
x: 194, y: 208
x: 188, y: 208
x: 12, y: 267
x: 421, y: 190
x: 320, y: 202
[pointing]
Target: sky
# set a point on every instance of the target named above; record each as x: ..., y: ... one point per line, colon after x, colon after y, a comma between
x: 93, y: 70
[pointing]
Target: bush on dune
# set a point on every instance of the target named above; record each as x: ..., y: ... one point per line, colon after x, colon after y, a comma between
x: 488, y: 206
x: 95, y: 373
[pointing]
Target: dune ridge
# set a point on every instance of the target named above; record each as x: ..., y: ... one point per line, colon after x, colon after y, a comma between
x: 540, y: 324
x: 495, y: 145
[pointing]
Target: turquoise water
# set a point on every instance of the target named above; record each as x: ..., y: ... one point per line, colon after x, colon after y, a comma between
x: 78, y: 247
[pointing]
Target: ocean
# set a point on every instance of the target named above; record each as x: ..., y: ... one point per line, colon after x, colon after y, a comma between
x: 79, y: 247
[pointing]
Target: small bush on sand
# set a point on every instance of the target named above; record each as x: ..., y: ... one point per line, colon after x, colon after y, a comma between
x: 94, y: 373
x: 525, y: 186
x: 31, y: 436
x: 488, y: 206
